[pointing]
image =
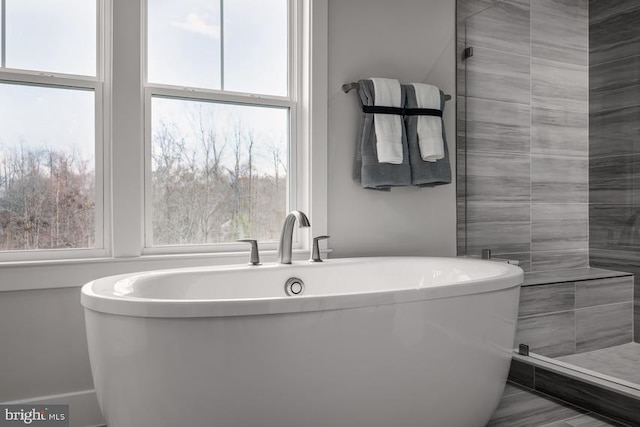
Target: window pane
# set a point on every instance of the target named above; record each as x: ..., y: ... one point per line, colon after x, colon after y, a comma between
x: 218, y: 171
x: 184, y: 43
x: 255, y: 46
x: 57, y: 36
x: 47, y: 168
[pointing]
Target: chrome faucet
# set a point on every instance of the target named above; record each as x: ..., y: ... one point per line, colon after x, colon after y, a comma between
x: 286, y: 238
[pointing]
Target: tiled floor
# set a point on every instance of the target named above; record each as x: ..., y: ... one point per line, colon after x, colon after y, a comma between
x: 522, y: 408
x: 622, y: 361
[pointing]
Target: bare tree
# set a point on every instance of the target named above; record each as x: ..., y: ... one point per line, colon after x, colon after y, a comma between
x: 46, y: 199
x: 214, y: 188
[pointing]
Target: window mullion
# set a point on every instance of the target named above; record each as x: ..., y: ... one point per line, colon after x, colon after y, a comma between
x: 267, y: 170
x: 3, y: 36
x: 127, y: 129
x: 99, y: 170
x: 148, y: 199
x: 101, y: 23
x: 221, y: 44
x: 315, y: 101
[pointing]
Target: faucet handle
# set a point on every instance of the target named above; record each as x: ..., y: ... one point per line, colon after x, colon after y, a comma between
x: 315, y: 253
x: 255, y: 255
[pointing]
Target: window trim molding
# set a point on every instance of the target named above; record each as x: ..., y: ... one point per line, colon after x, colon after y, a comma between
x: 127, y: 129
x: 317, y: 76
x: 123, y: 152
x: 172, y: 92
x: 99, y: 86
x: 305, y: 176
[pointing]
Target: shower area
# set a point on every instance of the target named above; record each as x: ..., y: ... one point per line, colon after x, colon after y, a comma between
x: 548, y: 171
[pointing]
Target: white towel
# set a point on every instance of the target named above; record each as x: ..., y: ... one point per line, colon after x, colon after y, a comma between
x: 429, y: 127
x: 388, y: 127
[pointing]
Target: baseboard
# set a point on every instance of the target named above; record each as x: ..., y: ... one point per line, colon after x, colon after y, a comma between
x: 83, y: 407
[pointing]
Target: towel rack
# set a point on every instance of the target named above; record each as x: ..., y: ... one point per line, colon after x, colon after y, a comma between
x: 347, y: 87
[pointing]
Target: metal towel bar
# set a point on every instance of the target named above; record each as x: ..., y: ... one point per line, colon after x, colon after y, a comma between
x: 347, y: 87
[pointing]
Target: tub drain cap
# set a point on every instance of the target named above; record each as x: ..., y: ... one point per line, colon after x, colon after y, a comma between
x: 294, y: 286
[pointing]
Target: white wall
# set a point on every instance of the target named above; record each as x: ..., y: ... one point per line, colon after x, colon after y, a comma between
x: 413, y: 41
x: 43, y: 349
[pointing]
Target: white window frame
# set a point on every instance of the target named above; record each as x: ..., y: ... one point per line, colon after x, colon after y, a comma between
x: 120, y: 153
x: 297, y: 165
x: 235, y: 98
x: 99, y: 87
x: 129, y: 116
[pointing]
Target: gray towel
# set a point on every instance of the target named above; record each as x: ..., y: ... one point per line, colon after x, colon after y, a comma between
x: 367, y: 170
x: 424, y: 174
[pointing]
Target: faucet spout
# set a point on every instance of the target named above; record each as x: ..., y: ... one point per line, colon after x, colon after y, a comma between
x: 286, y: 238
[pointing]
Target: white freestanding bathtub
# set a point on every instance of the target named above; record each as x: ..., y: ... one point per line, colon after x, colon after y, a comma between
x: 370, y: 342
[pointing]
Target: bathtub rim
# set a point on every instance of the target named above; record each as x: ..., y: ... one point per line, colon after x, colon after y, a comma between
x: 203, y: 308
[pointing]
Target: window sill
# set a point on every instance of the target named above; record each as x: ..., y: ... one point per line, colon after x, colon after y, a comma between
x: 72, y: 273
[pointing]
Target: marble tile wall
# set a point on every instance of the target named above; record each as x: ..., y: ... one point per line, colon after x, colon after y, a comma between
x: 565, y: 318
x: 627, y: 261
x: 523, y: 131
x: 614, y: 138
x: 614, y: 181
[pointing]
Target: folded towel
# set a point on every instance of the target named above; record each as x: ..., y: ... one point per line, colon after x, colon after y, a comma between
x: 429, y: 127
x: 424, y: 174
x: 388, y: 126
x: 367, y: 170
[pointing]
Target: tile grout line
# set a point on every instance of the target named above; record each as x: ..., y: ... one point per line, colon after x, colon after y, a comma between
x: 547, y: 313
x: 624, y: 58
x: 564, y: 420
x: 633, y: 310
x: 501, y: 101
x: 558, y: 14
x: 558, y: 156
x: 603, y: 305
x: 631, y: 155
x: 531, y: 266
x: 562, y: 282
x: 575, y: 317
x: 508, y: 52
